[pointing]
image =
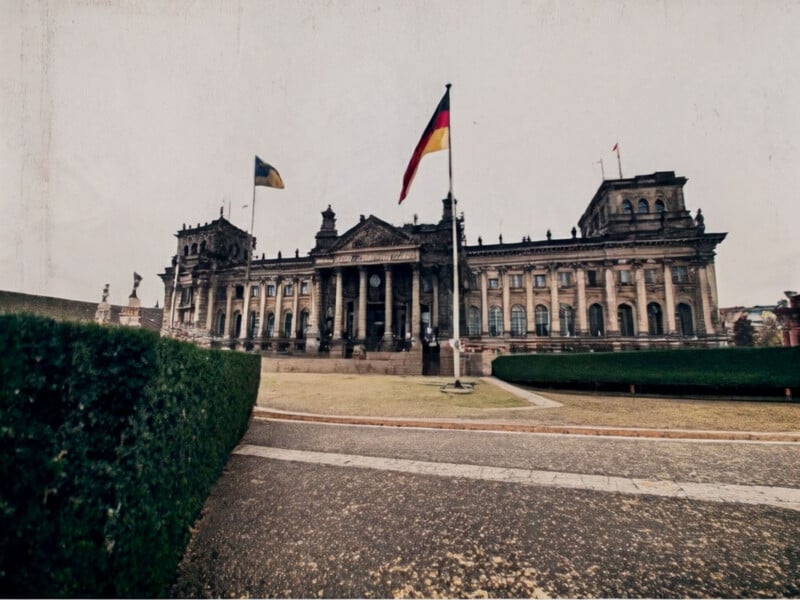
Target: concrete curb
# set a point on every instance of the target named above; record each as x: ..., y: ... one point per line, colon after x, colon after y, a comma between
x: 454, y: 424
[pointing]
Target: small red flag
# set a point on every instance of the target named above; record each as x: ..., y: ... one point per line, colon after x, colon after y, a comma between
x: 616, y: 147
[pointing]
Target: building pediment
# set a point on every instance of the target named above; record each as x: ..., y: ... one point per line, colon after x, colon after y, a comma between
x: 372, y: 232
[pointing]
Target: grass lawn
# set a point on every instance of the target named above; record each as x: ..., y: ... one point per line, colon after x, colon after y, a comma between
x: 420, y: 397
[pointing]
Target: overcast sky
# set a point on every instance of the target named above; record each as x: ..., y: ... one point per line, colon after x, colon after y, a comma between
x: 121, y: 121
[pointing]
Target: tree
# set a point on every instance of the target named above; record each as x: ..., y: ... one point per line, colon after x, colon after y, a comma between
x: 770, y: 334
x: 743, y: 334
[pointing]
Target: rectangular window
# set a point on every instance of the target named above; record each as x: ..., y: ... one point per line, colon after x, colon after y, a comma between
x: 304, y: 288
x: 651, y: 275
x: 254, y: 289
x: 515, y: 281
x: 591, y: 278
x: 494, y: 283
x: 271, y: 290
x: 288, y: 289
x: 239, y: 292
x: 680, y: 274
x: 624, y: 277
x: 540, y: 281
x: 222, y: 292
x: 186, y: 296
x: 564, y: 279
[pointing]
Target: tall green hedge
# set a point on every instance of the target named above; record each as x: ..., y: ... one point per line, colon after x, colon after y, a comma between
x: 766, y: 371
x: 110, y: 440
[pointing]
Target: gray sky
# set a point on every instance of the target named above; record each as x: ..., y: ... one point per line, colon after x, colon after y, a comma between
x: 121, y: 121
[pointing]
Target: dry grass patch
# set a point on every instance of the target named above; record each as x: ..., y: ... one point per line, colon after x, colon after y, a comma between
x: 420, y: 397
x: 668, y: 413
x: 381, y: 395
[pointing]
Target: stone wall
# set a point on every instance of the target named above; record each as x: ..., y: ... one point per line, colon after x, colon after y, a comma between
x: 375, y: 363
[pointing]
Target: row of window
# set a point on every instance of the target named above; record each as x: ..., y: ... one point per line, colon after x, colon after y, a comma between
x: 680, y: 274
x: 272, y: 290
x: 269, y: 330
x: 642, y: 206
x: 566, y: 320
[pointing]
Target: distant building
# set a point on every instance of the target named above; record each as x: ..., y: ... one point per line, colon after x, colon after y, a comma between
x: 74, y: 310
x: 788, y: 313
x: 641, y: 275
x: 754, y: 314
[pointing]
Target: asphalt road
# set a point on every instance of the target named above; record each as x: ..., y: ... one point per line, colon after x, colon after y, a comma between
x: 285, y: 528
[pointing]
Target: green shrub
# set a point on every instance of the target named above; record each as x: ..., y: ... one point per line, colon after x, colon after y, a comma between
x: 110, y: 439
x: 742, y: 370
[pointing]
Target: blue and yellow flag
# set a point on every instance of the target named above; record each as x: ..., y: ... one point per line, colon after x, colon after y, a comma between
x: 266, y: 175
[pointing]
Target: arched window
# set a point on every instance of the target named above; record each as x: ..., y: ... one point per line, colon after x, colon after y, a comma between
x: 303, y: 324
x: 625, y: 320
x: 518, y: 324
x: 194, y: 248
x: 203, y: 246
x: 627, y: 207
x: 655, y: 319
x: 542, y: 316
x: 566, y: 319
x: 221, y: 323
x: 237, y: 329
x: 186, y: 250
x: 474, y: 321
x: 269, y: 331
x: 659, y: 206
x: 596, y: 325
x: 495, y: 321
x: 683, y: 319
x: 643, y: 206
x: 287, y: 324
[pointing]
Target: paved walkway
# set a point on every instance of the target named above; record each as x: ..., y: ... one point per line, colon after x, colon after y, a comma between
x: 780, y: 497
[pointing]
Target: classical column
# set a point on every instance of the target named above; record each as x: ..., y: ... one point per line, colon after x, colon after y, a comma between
x: 530, y: 325
x: 705, y: 299
x: 212, y: 289
x: 228, y: 307
x: 506, y: 302
x: 669, y: 299
x: 313, y: 317
x: 262, y: 307
x: 641, y: 299
x: 337, y: 315
x: 435, y: 309
x: 484, y: 304
x: 296, y: 307
x: 361, y: 333
x: 612, y: 326
x: 415, y: 303
x: 580, y: 277
x: 245, y: 310
x: 711, y: 271
x: 555, y: 321
x: 387, y: 303
x: 277, y: 332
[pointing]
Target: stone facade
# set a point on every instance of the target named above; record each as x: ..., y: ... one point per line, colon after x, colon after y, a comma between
x: 640, y: 275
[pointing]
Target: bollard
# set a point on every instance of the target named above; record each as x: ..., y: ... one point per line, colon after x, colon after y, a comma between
x: 633, y: 390
x: 788, y: 393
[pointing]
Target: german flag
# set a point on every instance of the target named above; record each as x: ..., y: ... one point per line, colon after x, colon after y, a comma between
x: 267, y: 175
x: 435, y: 137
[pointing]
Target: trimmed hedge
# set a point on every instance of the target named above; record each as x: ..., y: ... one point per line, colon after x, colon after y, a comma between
x: 110, y: 440
x: 735, y: 371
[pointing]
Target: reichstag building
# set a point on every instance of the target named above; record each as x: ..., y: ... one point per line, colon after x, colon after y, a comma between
x: 638, y: 272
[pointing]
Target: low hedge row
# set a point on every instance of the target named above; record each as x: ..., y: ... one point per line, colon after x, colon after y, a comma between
x: 735, y: 371
x: 110, y: 440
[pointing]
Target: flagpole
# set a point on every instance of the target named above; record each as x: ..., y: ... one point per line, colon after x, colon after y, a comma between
x: 246, y: 332
x: 619, y: 162
x: 456, y: 316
